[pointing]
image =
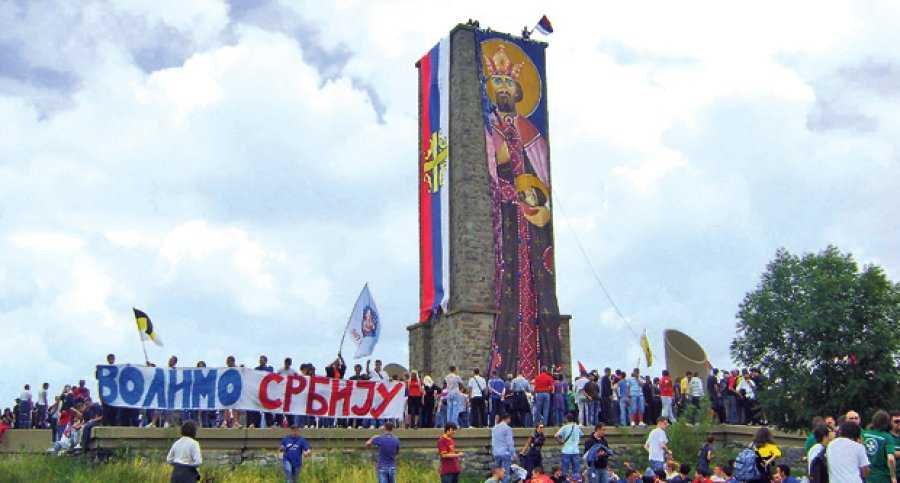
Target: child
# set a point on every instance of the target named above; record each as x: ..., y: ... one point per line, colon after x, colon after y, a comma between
x: 557, y: 475
x: 702, y: 476
x: 538, y: 476
x: 671, y: 469
x: 684, y: 474
x: 718, y: 474
x: 783, y: 474
x: 729, y: 473
x: 294, y: 448
x: 496, y: 475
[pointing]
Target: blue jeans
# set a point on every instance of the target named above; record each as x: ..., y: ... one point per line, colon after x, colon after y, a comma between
x: 542, y: 407
x: 593, y: 410
x: 657, y: 465
x: 636, y: 407
x: 559, y: 412
x: 731, y: 409
x: 387, y: 475
x: 598, y: 476
x: 453, y: 409
x: 623, y: 412
x: 291, y: 472
x: 505, y: 462
x: 571, y: 465
x: 495, y: 410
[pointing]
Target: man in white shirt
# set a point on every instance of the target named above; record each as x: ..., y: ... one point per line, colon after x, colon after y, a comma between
x: 823, y: 436
x: 696, y: 387
x: 378, y: 374
x: 477, y: 388
x: 847, y: 460
x: 41, y: 406
x: 26, y: 393
x: 581, y: 399
x: 185, y: 456
x: 656, y: 445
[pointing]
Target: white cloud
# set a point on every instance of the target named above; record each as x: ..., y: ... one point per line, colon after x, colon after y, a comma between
x: 209, y: 172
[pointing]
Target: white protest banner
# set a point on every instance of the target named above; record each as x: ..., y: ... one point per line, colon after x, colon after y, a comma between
x: 190, y: 388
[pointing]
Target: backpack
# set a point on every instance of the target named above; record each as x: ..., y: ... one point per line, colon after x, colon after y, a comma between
x: 745, y: 468
x: 818, y: 468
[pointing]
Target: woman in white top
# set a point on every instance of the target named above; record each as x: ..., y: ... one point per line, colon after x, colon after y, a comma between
x: 185, y: 456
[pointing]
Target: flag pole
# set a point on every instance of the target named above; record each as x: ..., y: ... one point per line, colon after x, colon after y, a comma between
x: 350, y: 319
x: 144, y: 346
x: 143, y: 343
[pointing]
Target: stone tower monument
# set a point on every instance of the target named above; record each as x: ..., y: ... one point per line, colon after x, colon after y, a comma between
x: 487, y: 274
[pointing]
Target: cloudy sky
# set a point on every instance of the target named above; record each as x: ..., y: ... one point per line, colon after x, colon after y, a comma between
x: 239, y: 169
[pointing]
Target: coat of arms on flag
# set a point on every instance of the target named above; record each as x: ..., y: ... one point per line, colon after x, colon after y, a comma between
x: 364, y: 326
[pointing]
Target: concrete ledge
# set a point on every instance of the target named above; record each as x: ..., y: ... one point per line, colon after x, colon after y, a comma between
x: 341, y: 438
x: 26, y: 441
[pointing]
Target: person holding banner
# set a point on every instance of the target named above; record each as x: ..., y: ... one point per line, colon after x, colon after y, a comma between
x: 185, y: 455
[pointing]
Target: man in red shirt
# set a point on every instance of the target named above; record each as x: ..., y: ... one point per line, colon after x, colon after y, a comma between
x: 666, y: 394
x: 450, y: 467
x: 543, y: 388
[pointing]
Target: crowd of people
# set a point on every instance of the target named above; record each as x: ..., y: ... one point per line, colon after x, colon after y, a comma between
x: 837, y: 452
x: 613, y: 398
x: 592, y: 400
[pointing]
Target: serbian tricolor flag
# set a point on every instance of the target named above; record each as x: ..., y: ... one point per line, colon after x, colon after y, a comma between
x: 581, y: 369
x: 434, y: 180
x: 544, y: 26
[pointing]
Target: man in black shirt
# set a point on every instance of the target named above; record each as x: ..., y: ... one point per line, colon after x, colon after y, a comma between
x: 358, y: 376
x: 597, y: 472
x: 92, y: 415
x: 592, y: 391
x: 715, y: 394
x: 606, y: 396
x: 255, y: 418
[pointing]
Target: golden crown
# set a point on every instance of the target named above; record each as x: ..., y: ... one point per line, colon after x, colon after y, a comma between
x: 500, y: 64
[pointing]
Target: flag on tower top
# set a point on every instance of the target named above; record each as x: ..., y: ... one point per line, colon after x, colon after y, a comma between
x: 544, y: 26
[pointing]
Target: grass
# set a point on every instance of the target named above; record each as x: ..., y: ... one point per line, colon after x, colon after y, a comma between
x: 30, y: 468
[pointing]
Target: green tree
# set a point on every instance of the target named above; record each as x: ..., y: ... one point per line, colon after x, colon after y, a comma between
x: 825, y: 335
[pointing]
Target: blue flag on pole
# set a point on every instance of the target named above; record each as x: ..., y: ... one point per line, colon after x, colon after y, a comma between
x: 365, y: 324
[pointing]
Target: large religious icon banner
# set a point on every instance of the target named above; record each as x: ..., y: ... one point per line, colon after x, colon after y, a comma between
x: 514, y: 96
x: 434, y: 179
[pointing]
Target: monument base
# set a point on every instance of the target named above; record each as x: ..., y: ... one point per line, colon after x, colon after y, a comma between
x: 463, y: 339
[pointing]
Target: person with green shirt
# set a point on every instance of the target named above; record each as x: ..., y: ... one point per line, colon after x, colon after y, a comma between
x: 895, y: 431
x: 879, y: 444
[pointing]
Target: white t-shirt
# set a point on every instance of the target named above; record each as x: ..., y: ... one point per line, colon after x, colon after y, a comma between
x: 185, y: 451
x: 811, y: 455
x: 845, y: 458
x: 476, y: 385
x: 25, y: 396
x: 696, y: 386
x: 378, y: 376
x: 655, y: 442
x: 42, y: 397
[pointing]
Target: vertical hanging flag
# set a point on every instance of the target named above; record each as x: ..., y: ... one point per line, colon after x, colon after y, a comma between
x: 645, y: 345
x: 543, y: 26
x: 364, y: 326
x: 145, y: 327
x: 434, y: 180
